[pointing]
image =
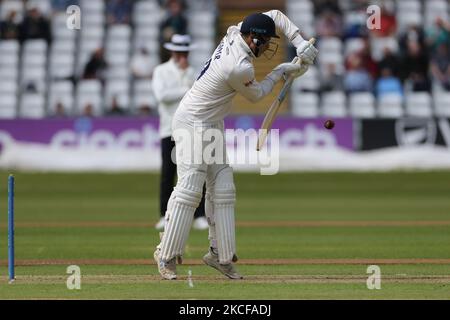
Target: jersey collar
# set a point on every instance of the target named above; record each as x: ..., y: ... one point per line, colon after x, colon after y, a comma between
x: 245, y: 46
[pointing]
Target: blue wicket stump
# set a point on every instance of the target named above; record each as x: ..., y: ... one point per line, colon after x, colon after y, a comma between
x: 11, y: 228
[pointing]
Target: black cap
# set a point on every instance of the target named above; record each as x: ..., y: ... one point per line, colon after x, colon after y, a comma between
x: 259, y: 23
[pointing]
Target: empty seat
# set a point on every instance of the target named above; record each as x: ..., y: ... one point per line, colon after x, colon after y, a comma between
x: 9, y: 47
x: 147, y: 13
x: 65, y: 46
x: 143, y: 95
x: 8, y: 106
x: 353, y: 45
x: 31, y: 60
x: 32, y: 106
x: 90, y: 86
x: 93, y: 32
x: 62, y: 66
x: 35, y: 46
x: 362, y: 105
x: 330, y: 44
x: 409, y: 5
x: 92, y: 19
x: 390, y: 106
x: 308, y: 82
x: 119, y: 32
x: 64, y: 33
x: 406, y: 19
x: 8, y: 86
x: 118, y: 46
x: 9, y: 72
x: 442, y: 104
x: 9, y: 60
x: 117, y: 89
x: 334, y: 104
x: 299, y: 6
x: 118, y: 72
x: 92, y: 5
x: 89, y: 92
x: 304, y: 104
x: 117, y: 58
x: 419, y: 105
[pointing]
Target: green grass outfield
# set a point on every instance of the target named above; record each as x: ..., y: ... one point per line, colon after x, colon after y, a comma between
x: 299, y: 236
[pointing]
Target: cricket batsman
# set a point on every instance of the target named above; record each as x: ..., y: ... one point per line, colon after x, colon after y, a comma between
x: 229, y: 71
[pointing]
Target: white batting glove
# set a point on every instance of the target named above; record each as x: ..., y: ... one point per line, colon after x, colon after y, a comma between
x: 307, y: 52
x: 303, y: 68
x: 284, y: 70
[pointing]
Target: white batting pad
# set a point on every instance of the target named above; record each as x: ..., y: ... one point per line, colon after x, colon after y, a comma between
x: 224, y: 200
x: 184, y: 200
x: 209, y: 213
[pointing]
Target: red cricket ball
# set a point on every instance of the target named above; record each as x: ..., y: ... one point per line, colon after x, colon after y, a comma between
x: 329, y: 124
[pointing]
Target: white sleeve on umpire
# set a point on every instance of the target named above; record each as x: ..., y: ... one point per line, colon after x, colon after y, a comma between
x: 164, y: 93
x: 283, y: 23
x: 242, y: 79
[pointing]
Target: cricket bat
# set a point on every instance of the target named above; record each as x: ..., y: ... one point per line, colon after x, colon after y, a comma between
x: 275, y: 107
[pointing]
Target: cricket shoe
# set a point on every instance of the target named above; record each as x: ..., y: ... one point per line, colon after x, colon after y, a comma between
x: 212, y: 259
x: 167, y: 269
x: 160, y: 224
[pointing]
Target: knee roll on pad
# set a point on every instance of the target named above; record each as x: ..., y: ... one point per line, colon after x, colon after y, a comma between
x: 224, y: 189
x: 189, y: 189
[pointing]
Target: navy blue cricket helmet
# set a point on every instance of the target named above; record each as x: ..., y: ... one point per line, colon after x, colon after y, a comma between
x: 260, y: 24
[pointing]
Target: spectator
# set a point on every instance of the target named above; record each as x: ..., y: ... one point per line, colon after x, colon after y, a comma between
x: 60, y: 111
x: 35, y: 26
x: 96, y: 66
x: 357, y: 79
x: 320, y: 6
x: 440, y: 66
x: 438, y: 34
x: 356, y: 5
x: 388, y: 83
x: 415, y: 67
x: 389, y: 61
x: 116, y: 109
x: 388, y: 24
x: 141, y: 66
x: 144, y: 110
x: 329, y: 24
x: 62, y: 5
x: 9, y: 29
x: 367, y: 61
x: 331, y: 80
x: 118, y: 11
x: 174, y: 23
x: 413, y: 33
x: 355, y: 25
x: 88, y: 110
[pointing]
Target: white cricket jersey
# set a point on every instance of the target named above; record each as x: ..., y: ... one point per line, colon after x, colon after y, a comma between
x: 229, y: 71
x: 170, y: 84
